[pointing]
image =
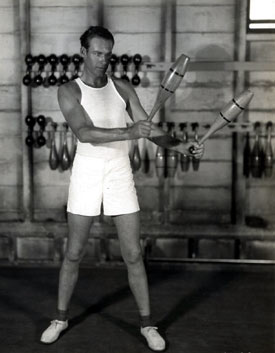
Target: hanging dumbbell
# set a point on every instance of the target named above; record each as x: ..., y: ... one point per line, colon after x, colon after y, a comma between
x: 137, y: 60
x: 65, y: 161
x: 146, y: 158
x: 256, y: 155
x: 27, y: 79
x: 113, y: 62
x: 145, y: 82
x: 38, y: 79
x: 268, y: 152
x: 53, y: 158
x: 193, y: 248
x: 30, y: 122
x: 124, y: 59
x: 53, y: 61
x: 184, y: 158
x: 64, y: 61
x: 172, y: 156
x: 246, y: 156
x: 135, y: 157
x: 76, y: 60
x: 46, y: 82
x: 160, y: 159
x: 195, y: 161
x: 41, y: 121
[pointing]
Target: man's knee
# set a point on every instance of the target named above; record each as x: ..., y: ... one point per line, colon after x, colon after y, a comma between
x: 74, y: 256
x: 133, y: 257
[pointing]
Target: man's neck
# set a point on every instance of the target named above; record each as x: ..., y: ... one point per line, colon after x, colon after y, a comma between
x: 94, y: 81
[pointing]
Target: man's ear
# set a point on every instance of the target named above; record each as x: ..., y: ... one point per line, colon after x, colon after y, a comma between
x: 83, y: 51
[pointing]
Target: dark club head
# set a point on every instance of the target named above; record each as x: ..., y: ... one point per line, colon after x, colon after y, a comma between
x: 38, y: 80
x: 30, y: 121
x: 124, y: 59
x: 52, y: 80
x: 42, y: 61
x: 29, y: 60
x: 41, y: 141
x: 53, y: 60
x: 76, y: 59
x: 135, y: 80
x: 27, y: 80
x: 29, y: 141
x: 41, y: 121
x: 137, y: 59
x: 64, y: 60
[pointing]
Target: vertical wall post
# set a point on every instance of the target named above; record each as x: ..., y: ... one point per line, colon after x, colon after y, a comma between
x: 26, y: 109
x: 167, y: 56
x: 97, y: 7
x: 238, y: 180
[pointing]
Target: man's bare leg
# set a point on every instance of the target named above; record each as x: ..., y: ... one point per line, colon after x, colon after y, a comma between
x: 128, y: 228
x: 79, y: 228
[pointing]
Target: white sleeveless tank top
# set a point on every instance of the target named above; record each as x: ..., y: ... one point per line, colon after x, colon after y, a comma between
x: 106, y: 109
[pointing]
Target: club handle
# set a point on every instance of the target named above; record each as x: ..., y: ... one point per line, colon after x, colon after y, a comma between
x: 192, y: 149
x: 150, y: 117
x: 203, y: 139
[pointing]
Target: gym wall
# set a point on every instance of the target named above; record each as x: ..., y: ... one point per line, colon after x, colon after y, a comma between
x: 205, y: 30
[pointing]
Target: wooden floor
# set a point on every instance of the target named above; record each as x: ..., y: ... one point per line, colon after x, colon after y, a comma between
x: 199, y: 309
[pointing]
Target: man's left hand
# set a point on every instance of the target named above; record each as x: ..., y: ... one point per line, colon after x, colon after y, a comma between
x: 196, y: 150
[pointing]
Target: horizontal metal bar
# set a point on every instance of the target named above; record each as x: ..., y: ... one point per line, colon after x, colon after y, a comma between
x: 192, y: 66
x: 211, y: 261
x: 213, y: 66
x: 152, y: 231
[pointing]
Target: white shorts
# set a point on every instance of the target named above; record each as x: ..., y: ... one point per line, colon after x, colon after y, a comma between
x: 95, y: 181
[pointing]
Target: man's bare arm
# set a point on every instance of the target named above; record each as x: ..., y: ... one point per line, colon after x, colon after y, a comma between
x: 82, y: 126
x: 157, y: 135
x: 134, y: 108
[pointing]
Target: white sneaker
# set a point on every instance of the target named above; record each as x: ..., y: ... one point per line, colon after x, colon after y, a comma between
x: 153, y: 338
x: 52, y: 333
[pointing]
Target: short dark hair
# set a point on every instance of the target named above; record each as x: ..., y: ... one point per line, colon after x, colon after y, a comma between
x: 95, y: 31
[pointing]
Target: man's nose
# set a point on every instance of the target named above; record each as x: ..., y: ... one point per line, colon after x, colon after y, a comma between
x: 103, y: 59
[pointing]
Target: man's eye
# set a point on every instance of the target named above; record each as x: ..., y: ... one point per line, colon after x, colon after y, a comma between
x: 95, y: 53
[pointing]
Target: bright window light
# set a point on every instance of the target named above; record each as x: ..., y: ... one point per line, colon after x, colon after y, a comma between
x: 262, y: 10
x: 261, y: 15
x: 262, y: 25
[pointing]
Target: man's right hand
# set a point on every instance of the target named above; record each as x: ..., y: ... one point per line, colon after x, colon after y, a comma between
x: 140, y: 129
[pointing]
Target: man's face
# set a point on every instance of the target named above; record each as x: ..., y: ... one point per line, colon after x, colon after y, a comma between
x: 97, y: 57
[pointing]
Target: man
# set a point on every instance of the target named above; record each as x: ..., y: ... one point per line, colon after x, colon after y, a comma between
x: 95, y: 107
